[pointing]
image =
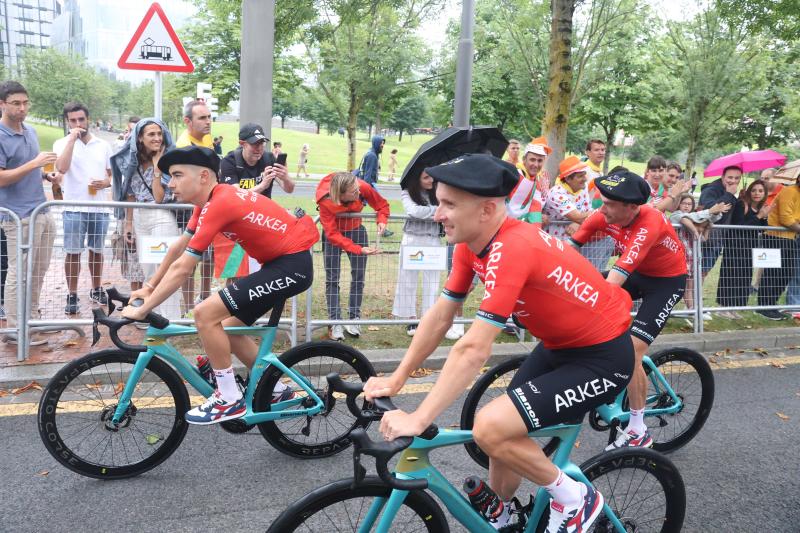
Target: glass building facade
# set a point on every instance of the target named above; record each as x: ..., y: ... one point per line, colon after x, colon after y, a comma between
x: 24, y: 24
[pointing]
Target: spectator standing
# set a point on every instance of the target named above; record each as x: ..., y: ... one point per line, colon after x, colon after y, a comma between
x: 527, y: 199
x: 370, y: 164
x: 339, y: 193
x: 736, y: 270
x: 693, y: 181
x: 137, y: 179
x: 197, y: 119
x: 302, y: 161
x: 217, y: 142
x: 786, y: 213
x: 419, y: 202
x: 654, y: 176
x: 251, y: 166
x: 84, y: 160
x: 512, y: 153
x: 21, y: 192
x: 392, y: 165
x: 600, y: 249
x: 277, y: 149
x: 724, y: 190
x: 568, y: 200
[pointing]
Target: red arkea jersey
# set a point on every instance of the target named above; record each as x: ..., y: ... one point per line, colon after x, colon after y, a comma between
x: 263, y: 228
x: 554, y: 291
x: 649, y: 244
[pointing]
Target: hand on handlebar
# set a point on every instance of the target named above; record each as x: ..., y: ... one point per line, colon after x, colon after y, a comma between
x: 135, y: 312
x: 398, y: 423
x: 379, y: 387
x: 142, y: 293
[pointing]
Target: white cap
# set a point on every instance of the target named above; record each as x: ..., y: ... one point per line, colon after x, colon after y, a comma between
x: 537, y: 149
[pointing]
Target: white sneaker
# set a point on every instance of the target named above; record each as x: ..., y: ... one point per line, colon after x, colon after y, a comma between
x: 578, y: 518
x: 353, y: 330
x: 337, y: 332
x: 455, y: 332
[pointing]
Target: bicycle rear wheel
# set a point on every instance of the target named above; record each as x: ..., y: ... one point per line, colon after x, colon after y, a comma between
x: 492, y: 384
x: 77, y: 405
x: 643, y: 488
x: 690, y: 376
x: 339, y: 507
x: 328, y: 432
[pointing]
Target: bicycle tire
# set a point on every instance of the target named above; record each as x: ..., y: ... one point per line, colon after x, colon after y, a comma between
x: 285, y: 435
x: 152, y: 424
x: 498, y: 377
x: 694, y: 412
x: 419, y: 509
x: 643, y: 488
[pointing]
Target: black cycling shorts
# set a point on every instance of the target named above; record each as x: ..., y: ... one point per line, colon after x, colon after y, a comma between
x: 250, y: 297
x: 560, y: 386
x: 659, y: 296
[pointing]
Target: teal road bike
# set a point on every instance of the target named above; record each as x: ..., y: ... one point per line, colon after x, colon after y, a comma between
x: 117, y: 413
x: 679, y: 399
x: 643, y: 490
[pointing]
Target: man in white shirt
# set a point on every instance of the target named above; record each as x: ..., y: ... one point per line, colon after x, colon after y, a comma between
x: 83, y: 159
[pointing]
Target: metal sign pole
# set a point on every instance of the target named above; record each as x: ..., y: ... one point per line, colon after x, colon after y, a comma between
x: 157, y: 96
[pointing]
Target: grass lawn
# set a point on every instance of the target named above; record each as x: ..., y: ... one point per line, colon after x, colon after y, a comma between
x: 47, y: 136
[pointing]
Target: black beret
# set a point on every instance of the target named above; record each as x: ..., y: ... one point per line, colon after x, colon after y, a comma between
x: 624, y: 186
x: 479, y: 174
x: 190, y: 155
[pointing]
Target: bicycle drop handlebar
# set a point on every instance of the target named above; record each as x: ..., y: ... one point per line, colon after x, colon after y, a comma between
x: 363, y: 444
x: 114, y: 324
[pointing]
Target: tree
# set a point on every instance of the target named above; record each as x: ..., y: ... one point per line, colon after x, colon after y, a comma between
x: 314, y: 106
x: 779, y: 18
x: 410, y: 114
x: 714, y: 72
x: 285, y: 97
x: 358, y: 48
x: 53, y: 78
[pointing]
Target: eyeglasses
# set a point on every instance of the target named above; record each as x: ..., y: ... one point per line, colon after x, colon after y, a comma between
x: 17, y: 103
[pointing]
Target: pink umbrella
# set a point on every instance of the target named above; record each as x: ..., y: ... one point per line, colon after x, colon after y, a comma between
x: 747, y: 161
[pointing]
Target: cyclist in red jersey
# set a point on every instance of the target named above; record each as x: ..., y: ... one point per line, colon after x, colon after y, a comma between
x: 584, y: 359
x: 266, y: 231
x: 651, y: 266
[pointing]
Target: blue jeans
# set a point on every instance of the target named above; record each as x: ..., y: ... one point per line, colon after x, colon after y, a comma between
x: 83, y: 230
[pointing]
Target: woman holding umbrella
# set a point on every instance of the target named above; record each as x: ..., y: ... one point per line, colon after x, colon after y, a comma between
x: 419, y: 201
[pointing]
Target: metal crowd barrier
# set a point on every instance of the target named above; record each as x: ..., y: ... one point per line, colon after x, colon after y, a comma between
x: 373, y: 306
x: 21, y: 249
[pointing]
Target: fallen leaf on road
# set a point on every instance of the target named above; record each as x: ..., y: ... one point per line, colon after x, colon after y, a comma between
x: 95, y: 385
x: 777, y: 364
x: 43, y: 473
x: 577, y: 444
x: 33, y: 385
x: 712, y: 359
x: 719, y: 354
x: 70, y: 343
x: 762, y: 352
x: 46, y: 349
x: 4, y: 393
x: 782, y: 416
x: 119, y: 388
x: 373, y: 328
x: 421, y: 372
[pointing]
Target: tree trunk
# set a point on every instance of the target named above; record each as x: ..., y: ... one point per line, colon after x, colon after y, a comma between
x: 283, y: 122
x: 352, y: 119
x: 691, y: 155
x: 609, y: 143
x: 378, y: 112
x: 559, y: 88
x: 400, y: 139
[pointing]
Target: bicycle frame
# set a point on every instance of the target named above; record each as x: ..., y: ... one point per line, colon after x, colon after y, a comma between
x: 414, y: 463
x: 610, y: 411
x: 158, y: 345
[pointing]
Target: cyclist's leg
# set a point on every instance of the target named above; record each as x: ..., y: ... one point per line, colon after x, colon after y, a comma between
x: 503, y: 479
x: 659, y: 296
x: 583, y: 379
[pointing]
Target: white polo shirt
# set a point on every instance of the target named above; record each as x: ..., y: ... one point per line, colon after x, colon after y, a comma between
x: 90, y: 161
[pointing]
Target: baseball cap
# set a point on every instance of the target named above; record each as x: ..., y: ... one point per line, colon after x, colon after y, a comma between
x: 252, y: 133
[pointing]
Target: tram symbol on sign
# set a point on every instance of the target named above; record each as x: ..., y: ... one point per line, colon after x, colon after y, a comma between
x: 149, y: 51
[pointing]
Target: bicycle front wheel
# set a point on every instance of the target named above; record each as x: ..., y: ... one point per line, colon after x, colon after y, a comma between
x: 492, y: 384
x: 338, y: 507
x: 328, y: 432
x: 77, y: 405
x: 690, y: 376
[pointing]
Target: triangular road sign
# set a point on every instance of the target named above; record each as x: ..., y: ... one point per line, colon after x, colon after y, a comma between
x: 155, y: 46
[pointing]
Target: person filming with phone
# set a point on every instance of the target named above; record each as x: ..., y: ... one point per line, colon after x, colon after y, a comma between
x: 251, y: 166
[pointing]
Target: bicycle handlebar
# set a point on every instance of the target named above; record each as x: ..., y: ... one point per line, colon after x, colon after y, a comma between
x: 114, y: 324
x: 363, y: 444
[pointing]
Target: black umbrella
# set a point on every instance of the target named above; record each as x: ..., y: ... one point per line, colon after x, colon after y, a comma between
x: 452, y: 143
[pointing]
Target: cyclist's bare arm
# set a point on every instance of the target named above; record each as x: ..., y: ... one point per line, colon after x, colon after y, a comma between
x: 615, y: 277
x: 175, y: 251
x: 179, y: 270
x: 430, y: 332
x: 463, y: 363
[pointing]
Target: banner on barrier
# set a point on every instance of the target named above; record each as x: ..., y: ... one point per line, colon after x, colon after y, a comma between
x: 154, y: 248
x: 424, y: 257
x: 766, y: 258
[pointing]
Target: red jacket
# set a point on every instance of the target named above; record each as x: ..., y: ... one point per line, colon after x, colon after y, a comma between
x: 333, y: 226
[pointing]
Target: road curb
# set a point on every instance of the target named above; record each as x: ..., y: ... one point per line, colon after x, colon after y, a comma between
x: 386, y: 360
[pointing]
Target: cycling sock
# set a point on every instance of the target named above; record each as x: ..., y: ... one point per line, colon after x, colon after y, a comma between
x: 636, y: 422
x: 566, y: 490
x: 226, y: 383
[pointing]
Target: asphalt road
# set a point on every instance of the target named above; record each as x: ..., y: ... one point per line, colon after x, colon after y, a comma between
x: 742, y: 472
